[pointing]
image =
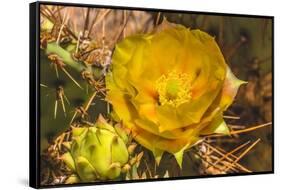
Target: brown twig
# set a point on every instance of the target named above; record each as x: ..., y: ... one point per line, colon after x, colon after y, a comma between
x: 242, y: 130
x: 158, y: 18
x: 86, y: 23
x: 243, y: 154
x: 226, y: 157
x: 98, y: 19
x: 119, y: 34
x: 232, y: 152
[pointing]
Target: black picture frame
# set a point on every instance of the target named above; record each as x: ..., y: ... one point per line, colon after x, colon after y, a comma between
x: 34, y: 92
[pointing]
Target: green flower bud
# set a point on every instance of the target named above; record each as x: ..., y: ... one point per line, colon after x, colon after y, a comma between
x: 96, y: 153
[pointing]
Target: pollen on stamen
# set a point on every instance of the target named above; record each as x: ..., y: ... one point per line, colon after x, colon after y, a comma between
x: 174, y: 89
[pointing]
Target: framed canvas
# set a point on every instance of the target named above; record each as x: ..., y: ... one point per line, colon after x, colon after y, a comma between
x: 120, y: 94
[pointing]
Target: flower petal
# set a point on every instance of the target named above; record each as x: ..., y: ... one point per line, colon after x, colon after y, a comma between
x: 120, y: 101
x: 155, y: 142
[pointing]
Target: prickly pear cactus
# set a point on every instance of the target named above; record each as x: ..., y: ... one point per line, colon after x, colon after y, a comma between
x: 77, y: 56
x: 96, y: 152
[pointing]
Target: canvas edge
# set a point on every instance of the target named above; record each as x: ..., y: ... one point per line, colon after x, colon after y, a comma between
x: 34, y: 114
x: 34, y: 96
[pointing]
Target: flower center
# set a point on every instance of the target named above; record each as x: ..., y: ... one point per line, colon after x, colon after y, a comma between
x: 173, y: 89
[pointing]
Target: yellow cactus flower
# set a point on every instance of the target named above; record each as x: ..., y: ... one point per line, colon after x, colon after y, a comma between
x: 170, y: 87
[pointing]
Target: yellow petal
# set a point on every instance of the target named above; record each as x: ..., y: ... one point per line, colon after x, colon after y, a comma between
x: 127, y: 60
x: 168, y: 118
x: 154, y: 129
x: 152, y: 142
x: 122, y: 107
